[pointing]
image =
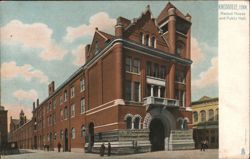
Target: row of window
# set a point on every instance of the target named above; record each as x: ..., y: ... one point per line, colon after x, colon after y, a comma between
x: 133, y: 122
x: 73, y: 134
x: 132, y: 65
x: 203, y: 116
x: 156, y: 70
x: 72, y: 94
x: 147, y: 40
x: 64, y: 113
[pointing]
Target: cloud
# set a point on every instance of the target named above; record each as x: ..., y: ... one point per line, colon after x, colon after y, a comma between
x: 79, y: 54
x: 36, y: 35
x: 208, y: 77
x: 29, y: 95
x: 197, y: 54
x: 10, y: 70
x: 14, y: 111
x: 100, y: 20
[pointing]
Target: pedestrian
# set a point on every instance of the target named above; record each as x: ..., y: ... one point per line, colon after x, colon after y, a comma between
x: 202, y: 145
x: 59, y: 146
x: 205, y: 145
x: 109, y: 149
x: 102, y: 150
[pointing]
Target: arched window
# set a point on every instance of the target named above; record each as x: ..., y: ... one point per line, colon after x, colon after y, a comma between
x: 216, y: 114
x: 83, y: 131
x: 185, y: 124
x: 129, y: 122
x: 61, y: 134
x: 195, y: 116
x: 137, y: 123
x: 147, y: 40
x: 73, y: 133
x: 153, y: 42
x: 203, y: 115
x: 211, y: 114
x: 142, y: 38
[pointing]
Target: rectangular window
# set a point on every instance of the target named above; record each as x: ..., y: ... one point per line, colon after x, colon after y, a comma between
x: 72, y: 92
x: 82, y: 85
x: 50, y: 106
x: 136, y: 66
x: 148, y: 68
x: 54, y: 104
x: 137, y: 92
x: 73, y: 110
x: 61, y: 99
x: 61, y: 113
x: 128, y: 90
x: 82, y: 105
x: 65, y: 115
x: 163, y: 72
x: 65, y: 96
x: 128, y: 64
x: 156, y: 70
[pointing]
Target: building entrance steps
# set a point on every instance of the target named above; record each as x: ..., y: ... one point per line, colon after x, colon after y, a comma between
x: 180, y: 140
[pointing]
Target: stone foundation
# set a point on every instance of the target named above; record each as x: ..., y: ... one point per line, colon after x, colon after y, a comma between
x: 122, y: 141
x: 181, y: 140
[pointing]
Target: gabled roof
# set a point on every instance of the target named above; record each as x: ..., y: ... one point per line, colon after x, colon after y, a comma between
x: 106, y: 35
x: 164, y: 13
x: 15, y: 121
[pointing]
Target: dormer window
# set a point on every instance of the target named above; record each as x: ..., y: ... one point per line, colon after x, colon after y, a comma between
x: 153, y: 42
x: 96, y: 47
x: 147, y: 40
x: 142, y: 38
x: 179, y: 48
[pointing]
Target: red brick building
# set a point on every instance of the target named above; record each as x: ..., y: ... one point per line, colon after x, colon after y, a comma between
x: 137, y: 81
x: 3, y: 127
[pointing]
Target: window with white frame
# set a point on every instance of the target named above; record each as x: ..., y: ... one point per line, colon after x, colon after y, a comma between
x: 61, y: 113
x: 82, y: 105
x: 142, y: 38
x: 203, y: 115
x: 72, y: 92
x: 129, y: 122
x: 65, y: 96
x: 137, y: 123
x: 153, y: 42
x: 128, y: 90
x: 147, y: 40
x: 195, y: 116
x: 136, y: 66
x: 73, y: 133
x: 137, y: 90
x: 61, y: 99
x: 83, y: 131
x: 73, y: 110
x: 82, y: 85
x: 61, y: 134
x: 128, y: 64
x: 65, y: 115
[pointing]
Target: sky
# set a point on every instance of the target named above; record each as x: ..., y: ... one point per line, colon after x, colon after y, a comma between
x: 44, y: 41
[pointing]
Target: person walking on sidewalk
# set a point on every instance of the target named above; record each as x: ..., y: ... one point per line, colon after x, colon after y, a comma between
x: 59, y: 146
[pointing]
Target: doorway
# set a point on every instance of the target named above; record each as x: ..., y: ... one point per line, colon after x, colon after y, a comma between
x: 66, y: 140
x: 91, y: 135
x: 156, y: 135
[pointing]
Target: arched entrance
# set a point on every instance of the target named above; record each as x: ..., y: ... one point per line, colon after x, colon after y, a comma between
x: 91, y: 135
x: 66, y: 136
x: 157, y: 135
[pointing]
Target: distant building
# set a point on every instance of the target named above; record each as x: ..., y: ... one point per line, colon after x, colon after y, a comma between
x: 3, y: 127
x: 205, y: 121
x: 21, y: 131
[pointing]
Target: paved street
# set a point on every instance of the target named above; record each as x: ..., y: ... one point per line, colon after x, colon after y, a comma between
x: 187, y: 154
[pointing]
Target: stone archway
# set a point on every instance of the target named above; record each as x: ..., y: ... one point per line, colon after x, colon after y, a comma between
x: 157, y: 135
x: 160, y: 122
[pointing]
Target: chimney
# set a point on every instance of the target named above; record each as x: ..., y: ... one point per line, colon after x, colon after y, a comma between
x: 34, y: 106
x: 119, y: 28
x: 37, y: 102
x: 172, y: 29
x: 51, y: 88
x: 87, y: 47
